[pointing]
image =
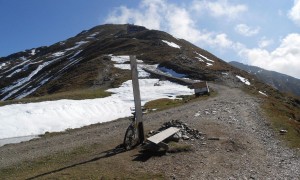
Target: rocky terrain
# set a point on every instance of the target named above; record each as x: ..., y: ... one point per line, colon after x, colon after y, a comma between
x: 237, y: 143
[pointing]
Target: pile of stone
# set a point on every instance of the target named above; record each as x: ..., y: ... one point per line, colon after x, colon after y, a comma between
x: 185, y: 133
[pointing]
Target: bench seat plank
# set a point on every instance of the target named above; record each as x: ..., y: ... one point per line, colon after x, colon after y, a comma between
x: 157, y: 138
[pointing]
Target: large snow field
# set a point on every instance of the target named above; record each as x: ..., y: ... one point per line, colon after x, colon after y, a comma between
x: 25, y: 121
x: 38, y: 118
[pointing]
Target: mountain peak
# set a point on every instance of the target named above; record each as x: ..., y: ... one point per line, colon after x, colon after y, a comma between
x: 77, y: 61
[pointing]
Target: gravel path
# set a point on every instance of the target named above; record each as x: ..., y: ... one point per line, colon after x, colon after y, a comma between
x: 246, y: 149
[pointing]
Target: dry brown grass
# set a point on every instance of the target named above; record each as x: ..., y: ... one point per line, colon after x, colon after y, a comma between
x: 282, y: 111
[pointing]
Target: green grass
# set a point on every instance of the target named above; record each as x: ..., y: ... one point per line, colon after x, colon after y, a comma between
x: 280, y: 112
x: 175, y: 147
x: 81, y: 163
x: 75, y: 95
x: 165, y: 103
x: 281, y: 117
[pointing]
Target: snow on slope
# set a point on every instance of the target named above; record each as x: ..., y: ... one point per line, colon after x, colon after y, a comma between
x: 32, y: 53
x: 38, y: 118
x: 16, y: 67
x: 260, y: 92
x: 120, y: 60
x: 18, y: 85
x: 2, y: 65
x: 244, y: 80
x: 171, y: 72
x: 22, y: 81
x: 202, y: 58
x: 171, y: 44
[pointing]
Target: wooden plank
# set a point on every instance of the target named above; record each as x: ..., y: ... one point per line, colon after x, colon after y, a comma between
x: 157, y: 138
x: 136, y: 89
x: 137, y: 98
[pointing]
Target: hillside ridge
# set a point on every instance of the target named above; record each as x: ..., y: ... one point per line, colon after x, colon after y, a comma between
x: 282, y: 82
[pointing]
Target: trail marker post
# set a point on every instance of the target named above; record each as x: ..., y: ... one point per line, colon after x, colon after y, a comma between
x: 137, y: 98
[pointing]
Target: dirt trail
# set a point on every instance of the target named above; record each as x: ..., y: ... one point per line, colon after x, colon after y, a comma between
x: 247, y: 148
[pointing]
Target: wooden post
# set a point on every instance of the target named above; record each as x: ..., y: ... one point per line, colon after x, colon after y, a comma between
x: 137, y: 98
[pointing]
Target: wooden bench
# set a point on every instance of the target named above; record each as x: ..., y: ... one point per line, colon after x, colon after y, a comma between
x: 159, y: 137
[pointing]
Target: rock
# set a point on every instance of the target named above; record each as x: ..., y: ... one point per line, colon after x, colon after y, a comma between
x: 185, y: 137
x: 176, y: 137
x: 185, y: 133
x: 213, y: 138
x: 283, y: 131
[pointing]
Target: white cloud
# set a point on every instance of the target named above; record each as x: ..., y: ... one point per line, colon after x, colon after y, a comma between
x: 219, y: 8
x: 150, y: 16
x: 222, y: 41
x: 177, y: 20
x: 294, y: 13
x: 284, y: 59
x: 245, y: 30
x: 264, y: 42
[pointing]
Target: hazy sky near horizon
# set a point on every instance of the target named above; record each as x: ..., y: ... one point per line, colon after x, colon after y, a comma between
x: 261, y: 33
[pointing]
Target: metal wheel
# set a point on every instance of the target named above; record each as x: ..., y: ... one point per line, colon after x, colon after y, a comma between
x: 130, y: 139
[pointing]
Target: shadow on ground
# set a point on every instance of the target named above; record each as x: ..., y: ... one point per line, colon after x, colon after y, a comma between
x: 117, y: 150
x: 145, y: 155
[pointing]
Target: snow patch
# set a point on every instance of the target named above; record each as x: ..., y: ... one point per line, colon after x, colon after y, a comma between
x: 171, y: 44
x: 38, y: 118
x: 33, y: 52
x: 33, y: 89
x: 225, y: 73
x: 77, y: 45
x: 263, y: 93
x: 209, y: 64
x: 92, y: 35
x: 201, y: 56
x: 17, y: 66
x: 199, y: 59
x: 23, y: 58
x: 2, y: 65
x: 75, y: 54
x: 58, y: 54
x: 16, y: 71
x: 123, y: 66
x: 171, y: 72
x: 244, y: 80
x: 140, y: 65
x: 119, y: 59
x: 19, y: 84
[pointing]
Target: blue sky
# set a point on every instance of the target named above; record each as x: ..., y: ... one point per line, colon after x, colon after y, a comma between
x: 262, y: 33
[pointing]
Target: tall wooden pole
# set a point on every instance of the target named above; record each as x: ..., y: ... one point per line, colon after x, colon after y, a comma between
x: 137, y: 98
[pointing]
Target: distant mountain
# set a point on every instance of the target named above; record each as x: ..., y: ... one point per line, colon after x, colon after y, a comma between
x: 282, y: 82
